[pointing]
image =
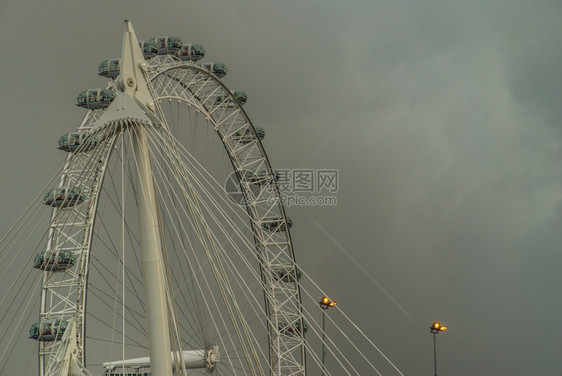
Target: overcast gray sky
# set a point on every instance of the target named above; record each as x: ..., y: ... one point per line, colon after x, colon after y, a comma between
x: 442, y: 117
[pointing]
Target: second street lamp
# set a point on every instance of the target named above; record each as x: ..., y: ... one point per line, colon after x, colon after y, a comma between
x: 435, y: 328
x: 325, y: 303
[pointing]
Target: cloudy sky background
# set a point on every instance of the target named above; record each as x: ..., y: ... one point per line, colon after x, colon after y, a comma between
x: 443, y: 119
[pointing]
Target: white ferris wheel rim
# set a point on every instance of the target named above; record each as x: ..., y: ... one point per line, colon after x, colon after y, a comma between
x: 164, y: 66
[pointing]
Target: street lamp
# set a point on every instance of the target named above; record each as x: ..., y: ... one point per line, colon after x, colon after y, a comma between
x: 325, y: 304
x: 435, y: 328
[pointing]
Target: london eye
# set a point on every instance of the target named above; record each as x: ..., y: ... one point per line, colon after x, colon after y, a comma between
x: 148, y: 265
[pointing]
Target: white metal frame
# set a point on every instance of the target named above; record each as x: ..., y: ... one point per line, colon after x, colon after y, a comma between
x: 166, y: 77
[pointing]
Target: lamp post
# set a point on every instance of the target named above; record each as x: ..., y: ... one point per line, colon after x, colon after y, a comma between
x: 435, y: 328
x: 325, y: 304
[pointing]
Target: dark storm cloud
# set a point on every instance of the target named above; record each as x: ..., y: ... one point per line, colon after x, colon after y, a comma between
x: 450, y: 191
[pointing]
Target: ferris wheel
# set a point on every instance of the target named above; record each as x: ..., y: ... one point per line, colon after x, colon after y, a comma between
x: 229, y: 263
x: 168, y: 250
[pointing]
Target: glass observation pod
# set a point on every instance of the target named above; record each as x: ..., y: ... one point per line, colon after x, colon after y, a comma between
x: 246, y: 136
x: 109, y: 68
x: 166, y: 44
x: 95, y: 99
x: 287, y: 274
x: 218, y: 69
x: 48, y: 330
x: 276, y: 224
x: 191, y: 52
x: 259, y: 177
x: 54, y: 261
x: 64, y: 197
x: 292, y: 329
x: 77, y: 141
x: 239, y: 95
x: 148, y: 48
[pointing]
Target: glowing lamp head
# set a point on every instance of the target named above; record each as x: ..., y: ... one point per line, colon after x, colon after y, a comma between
x: 437, y: 327
x: 326, y: 303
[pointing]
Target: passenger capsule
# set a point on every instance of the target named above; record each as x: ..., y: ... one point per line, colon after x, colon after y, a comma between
x: 64, y: 197
x: 95, y: 99
x: 77, y: 141
x: 246, y: 136
x: 240, y: 96
x: 276, y: 224
x: 148, y: 48
x: 48, y: 330
x: 292, y: 329
x: 218, y: 69
x: 54, y: 261
x: 109, y: 68
x: 287, y: 274
x: 167, y: 44
x: 191, y: 52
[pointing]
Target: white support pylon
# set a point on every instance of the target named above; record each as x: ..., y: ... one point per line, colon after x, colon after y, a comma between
x: 133, y: 85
